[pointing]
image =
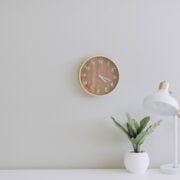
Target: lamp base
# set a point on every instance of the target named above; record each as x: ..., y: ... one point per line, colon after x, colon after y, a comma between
x: 169, y: 169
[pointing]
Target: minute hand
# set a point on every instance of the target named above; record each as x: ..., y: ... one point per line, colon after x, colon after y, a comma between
x: 104, y: 79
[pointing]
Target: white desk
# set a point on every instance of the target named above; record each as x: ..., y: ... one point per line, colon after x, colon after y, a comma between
x: 86, y: 174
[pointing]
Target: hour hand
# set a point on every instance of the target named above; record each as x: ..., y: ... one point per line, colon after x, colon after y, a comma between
x: 104, y: 79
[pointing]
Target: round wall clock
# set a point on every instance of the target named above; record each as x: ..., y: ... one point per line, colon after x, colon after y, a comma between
x: 98, y: 75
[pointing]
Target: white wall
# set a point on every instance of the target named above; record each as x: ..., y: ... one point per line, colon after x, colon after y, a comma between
x: 46, y: 120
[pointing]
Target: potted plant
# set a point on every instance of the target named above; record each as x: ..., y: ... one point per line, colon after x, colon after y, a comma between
x: 137, y: 161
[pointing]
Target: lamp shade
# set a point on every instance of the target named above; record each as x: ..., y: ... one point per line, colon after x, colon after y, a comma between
x: 161, y: 102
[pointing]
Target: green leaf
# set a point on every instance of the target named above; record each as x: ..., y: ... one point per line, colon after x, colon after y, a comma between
x: 136, y: 124
x: 151, y: 128
x: 143, y: 123
x: 130, y: 131
x: 137, y: 132
x: 120, y: 126
x: 141, y: 137
x: 131, y: 124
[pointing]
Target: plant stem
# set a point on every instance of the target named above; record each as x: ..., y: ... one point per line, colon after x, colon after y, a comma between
x: 136, y: 148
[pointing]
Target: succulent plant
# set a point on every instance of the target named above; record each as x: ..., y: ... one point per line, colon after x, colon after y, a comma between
x: 137, y: 132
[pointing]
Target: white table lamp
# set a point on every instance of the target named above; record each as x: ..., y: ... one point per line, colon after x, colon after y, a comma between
x: 162, y: 103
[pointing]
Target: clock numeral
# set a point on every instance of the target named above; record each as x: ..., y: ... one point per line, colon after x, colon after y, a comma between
x: 106, y: 89
x: 113, y: 69
x: 92, y: 62
x: 101, y: 61
x: 112, y: 84
x: 98, y: 91
x: 85, y: 82
x: 84, y: 75
x: 87, y: 68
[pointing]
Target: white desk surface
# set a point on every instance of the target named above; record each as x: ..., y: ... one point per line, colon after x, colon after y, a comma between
x: 83, y: 174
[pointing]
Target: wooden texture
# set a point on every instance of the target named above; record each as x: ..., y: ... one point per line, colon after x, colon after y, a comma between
x: 99, y: 75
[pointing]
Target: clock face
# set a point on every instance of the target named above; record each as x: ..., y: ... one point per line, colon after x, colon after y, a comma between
x: 99, y: 75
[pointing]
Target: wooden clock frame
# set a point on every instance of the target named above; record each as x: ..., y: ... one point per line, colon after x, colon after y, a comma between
x: 80, y: 75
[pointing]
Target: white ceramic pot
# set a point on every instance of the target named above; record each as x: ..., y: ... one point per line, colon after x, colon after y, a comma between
x: 136, y: 162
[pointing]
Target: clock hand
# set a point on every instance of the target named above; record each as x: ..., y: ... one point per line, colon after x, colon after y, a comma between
x: 105, y: 78
x: 102, y: 78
